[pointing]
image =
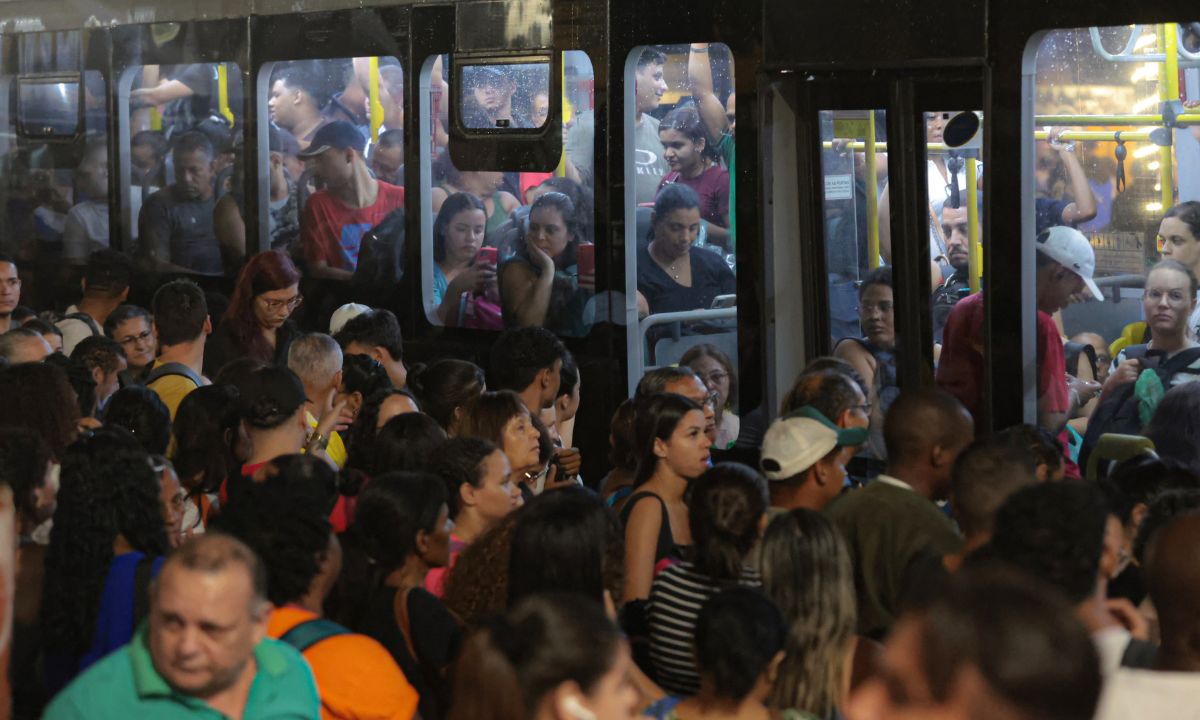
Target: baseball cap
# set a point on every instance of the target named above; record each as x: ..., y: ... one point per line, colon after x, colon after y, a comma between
x: 795, y: 442
x: 345, y: 314
x: 336, y: 135
x: 1068, y: 247
x: 270, y: 396
x: 282, y: 141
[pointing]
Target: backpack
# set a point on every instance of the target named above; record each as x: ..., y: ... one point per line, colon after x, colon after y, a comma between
x: 86, y: 320
x: 311, y: 632
x: 380, y: 260
x: 173, y: 368
x: 1124, y: 411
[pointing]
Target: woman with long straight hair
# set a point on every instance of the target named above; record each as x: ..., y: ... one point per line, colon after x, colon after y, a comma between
x: 257, y: 324
x: 806, y: 571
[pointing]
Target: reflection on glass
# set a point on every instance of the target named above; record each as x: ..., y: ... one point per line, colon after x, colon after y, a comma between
x: 513, y: 96
x: 512, y: 248
x: 49, y: 108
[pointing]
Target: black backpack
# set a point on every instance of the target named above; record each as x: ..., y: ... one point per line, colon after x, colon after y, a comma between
x: 173, y: 368
x: 381, y: 261
x: 1119, y: 411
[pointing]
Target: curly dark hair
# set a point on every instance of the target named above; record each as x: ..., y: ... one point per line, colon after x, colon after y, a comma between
x: 37, y: 396
x: 360, y: 438
x: 363, y: 374
x: 284, y: 519
x: 23, y: 461
x: 477, y: 586
x: 108, y: 489
x: 142, y: 412
x: 406, y: 442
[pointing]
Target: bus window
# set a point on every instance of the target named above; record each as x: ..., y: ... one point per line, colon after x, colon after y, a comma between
x: 502, y: 248
x: 184, y: 121
x: 331, y: 183
x: 857, y: 255
x: 490, y: 92
x: 1110, y: 164
x: 679, y: 205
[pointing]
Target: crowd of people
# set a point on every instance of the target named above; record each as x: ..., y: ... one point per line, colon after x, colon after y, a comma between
x: 229, y: 514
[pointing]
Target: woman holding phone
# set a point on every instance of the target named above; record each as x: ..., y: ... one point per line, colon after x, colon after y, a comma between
x: 540, y: 284
x: 464, y: 272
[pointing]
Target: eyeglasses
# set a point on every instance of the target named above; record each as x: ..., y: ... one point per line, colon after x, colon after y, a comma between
x: 136, y: 339
x: 713, y: 400
x: 291, y: 303
x: 716, y: 376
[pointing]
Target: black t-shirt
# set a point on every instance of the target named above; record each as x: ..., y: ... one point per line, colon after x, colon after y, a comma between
x: 436, y: 638
x: 710, y: 277
x: 180, y: 232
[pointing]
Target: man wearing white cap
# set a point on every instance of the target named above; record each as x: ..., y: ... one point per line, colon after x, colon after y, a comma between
x: 802, y: 456
x: 1065, y: 265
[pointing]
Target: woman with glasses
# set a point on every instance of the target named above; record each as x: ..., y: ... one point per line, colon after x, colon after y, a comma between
x: 873, y: 355
x: 133, y: 329
x: 257, y: 323
x: 1179, y: 240
x: 717, y: 372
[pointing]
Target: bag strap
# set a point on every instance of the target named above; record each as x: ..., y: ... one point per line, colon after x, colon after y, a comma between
x: 400, y: 608
x: 1139, y: 654
x: 142, y: 575
x: 86, y: 320
x: 174, y: 368
x: 311, y: 632
x: 1181, y: 360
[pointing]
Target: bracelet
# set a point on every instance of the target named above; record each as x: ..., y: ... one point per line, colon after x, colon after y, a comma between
x: 318, y: 440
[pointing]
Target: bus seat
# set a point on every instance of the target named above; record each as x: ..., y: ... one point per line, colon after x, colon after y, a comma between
x: 668, y: 350
x: 1116, y: 448
x: 643, y: 225
x: 1134, y: 333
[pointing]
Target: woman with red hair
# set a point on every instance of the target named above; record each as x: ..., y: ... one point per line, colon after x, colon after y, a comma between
x: 257, y: 324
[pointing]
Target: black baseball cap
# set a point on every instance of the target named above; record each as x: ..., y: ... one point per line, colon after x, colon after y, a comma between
x: 282, y: 141
x: 337, y: 135
x: 269, y: 396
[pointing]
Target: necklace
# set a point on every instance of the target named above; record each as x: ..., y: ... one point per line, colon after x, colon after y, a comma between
x: 670, y: 267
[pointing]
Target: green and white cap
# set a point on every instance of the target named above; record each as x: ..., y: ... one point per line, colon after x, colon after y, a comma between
x: 795, y: 442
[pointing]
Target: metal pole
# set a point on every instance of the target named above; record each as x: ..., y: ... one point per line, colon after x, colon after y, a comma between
x: 1168, y: 91
x: 1135, y: 120
x: 872, y: 195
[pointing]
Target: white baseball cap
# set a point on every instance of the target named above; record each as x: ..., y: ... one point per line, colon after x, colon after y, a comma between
x: 345, y: 314
x: 1071, y: 249
x: 795, y: 442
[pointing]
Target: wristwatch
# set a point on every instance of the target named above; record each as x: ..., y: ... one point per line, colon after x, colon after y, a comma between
x: 316, y: 442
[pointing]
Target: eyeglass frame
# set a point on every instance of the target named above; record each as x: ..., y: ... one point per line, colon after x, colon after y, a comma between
x: 290, y: 304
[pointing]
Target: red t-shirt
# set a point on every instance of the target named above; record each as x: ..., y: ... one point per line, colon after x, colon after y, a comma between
x: 960, y: 368
x: 332, y: 233
x: 712, y: 187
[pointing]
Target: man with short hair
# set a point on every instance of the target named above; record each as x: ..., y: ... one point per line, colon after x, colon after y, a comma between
x: 1169, y: 690
x: 351, y: 202
x: 993, y: 646
x: 297, y: 96
x: 955, y: 273
x: 796, y: 454
x: 203, y: 652
x: 684, y: 381
x: 10, y: 291
x: 1065, y: 264
x: 105, y: 286
x: 1063, y: 534
x: 283, y: 519
x: 316, y: 359
x: 895, y: 519
x: 376, y: 333
x: 528, y: 361
x: 833, y: 394
x: 387, y: 157
x: 985, y: 475
x: 22, y: 345
x: 105, y: 360
x: 175, y: 226
x: 650, y: 162
x: 182, y: 325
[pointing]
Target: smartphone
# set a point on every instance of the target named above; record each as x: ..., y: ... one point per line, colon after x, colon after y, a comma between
x: 724, y: 301
x: 487, y: 256
x: 585, y: 255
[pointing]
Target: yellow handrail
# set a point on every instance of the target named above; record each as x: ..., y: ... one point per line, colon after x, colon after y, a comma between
x: 872, y: 196
x: 974, y: 246
x: 375, y: 105
x: 1168, y: 91
x: 223, y: 93
x: 1086, y: 120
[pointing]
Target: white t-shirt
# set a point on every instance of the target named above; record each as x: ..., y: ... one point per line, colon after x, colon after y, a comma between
x: 1110, y: 645
x: 74, y: 331
x: 1150, y: 694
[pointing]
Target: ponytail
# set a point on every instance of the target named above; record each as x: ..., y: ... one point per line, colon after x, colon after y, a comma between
x: 727, y: 506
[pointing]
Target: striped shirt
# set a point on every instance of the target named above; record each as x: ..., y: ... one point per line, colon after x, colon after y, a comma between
x: 676, y: 597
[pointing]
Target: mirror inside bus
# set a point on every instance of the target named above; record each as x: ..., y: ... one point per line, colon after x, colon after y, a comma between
x: 963, y: 131
x: 504, y: 95
x: 48, y: 107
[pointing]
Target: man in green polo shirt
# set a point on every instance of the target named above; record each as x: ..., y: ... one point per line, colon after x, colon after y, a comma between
x: 204, y: 652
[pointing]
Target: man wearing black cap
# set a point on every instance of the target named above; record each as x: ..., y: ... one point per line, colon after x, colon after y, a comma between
x: 351, y: 203
x: 492, y: 88
x: 272, y: 405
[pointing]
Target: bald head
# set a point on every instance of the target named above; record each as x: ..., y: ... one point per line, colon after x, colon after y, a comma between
x: 921, y: 420
x: 1173, y: 578
x: 21, y: 345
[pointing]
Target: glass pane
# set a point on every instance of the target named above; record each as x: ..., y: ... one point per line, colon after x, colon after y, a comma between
x: 857, y: 256
x: 1111, y: 165
x: 48, y: 108
x: 184, y: 126
x: 505, y: 96
x: 506, y: 248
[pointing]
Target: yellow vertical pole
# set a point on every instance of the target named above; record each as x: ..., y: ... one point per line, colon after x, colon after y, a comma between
x: 974, y: 247
x: 376, y: 106
x: 561, y: 170
x: 872, y: 195
x: 1168, y: 91
x: 223, y: 93
x: 155, y: 119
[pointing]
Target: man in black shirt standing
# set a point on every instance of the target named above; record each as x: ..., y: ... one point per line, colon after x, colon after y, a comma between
x: 175, y: 227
